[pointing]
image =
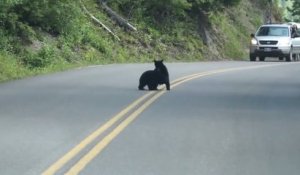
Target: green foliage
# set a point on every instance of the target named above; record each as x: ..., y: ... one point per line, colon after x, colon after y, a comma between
x: 295, y: 10
x: 163, y: 12
x: 277, y: 12
x: 154, y: 12
x: 4, y: 41
x: 261, y: 3
x: 38, y: 36
x: 232, y: 36
x: 56, y: 17
x: 41, y: 59
x: 208, y: 5
x: 10, y: 68
x: 95, y: 41
x: 24, y: 21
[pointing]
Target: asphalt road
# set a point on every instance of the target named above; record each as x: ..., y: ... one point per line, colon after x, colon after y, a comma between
x: 235, y: 118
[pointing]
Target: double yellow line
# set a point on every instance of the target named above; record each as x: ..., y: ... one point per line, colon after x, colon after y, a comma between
x: 125, y: 117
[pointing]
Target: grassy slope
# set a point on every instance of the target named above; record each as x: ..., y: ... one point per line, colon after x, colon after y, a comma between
x: 228, y: 34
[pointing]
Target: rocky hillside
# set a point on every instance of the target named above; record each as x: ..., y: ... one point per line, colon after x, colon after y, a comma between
x: 44, y: 36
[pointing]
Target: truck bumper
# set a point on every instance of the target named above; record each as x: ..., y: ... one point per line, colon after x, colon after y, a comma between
x: 265, y: 51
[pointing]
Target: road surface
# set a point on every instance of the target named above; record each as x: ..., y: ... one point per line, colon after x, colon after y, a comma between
x: 227, y: 118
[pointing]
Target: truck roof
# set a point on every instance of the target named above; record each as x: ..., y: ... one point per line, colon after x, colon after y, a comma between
x: 276, y: 25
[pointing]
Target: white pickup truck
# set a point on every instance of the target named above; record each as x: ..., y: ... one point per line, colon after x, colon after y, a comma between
x: 275, y: 40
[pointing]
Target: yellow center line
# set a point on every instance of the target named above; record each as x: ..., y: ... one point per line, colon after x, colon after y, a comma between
x: 144, y: 103
x: 79, y: 166
x: 73, y: 152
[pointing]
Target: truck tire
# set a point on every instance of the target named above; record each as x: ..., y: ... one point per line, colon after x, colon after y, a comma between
x: 289, y: 57
x: 262, y: 58
x: 252, y: 57
x: 297, y: 57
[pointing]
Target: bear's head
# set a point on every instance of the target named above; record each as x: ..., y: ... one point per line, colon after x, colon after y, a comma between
x: 158, y: 64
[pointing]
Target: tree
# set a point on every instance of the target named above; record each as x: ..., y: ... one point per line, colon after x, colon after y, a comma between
x: 295, y: 10
x: 56, y: 17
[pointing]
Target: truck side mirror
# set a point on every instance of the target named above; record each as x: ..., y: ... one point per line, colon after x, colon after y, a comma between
x: 252, y: 35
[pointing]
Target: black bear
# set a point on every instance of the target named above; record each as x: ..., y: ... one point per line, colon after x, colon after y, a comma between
x: 152, y: 78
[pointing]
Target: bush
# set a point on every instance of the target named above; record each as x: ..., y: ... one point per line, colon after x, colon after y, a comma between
x: 18, y: 17
x: 41, y: 59
x: 56, y: 17
x: 230, y: 2
x: 10, y: 68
